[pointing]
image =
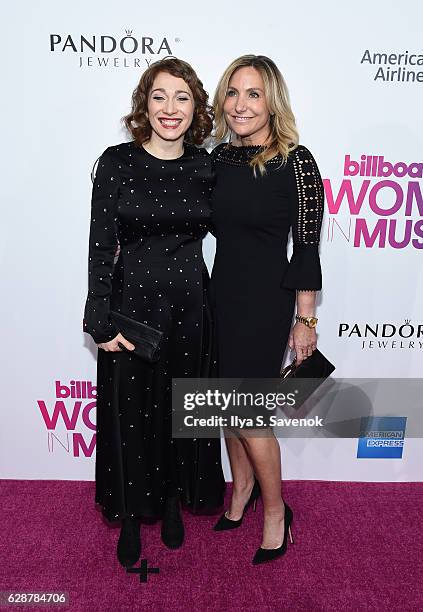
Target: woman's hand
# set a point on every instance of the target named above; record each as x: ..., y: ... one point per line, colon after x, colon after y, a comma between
x: 303, y: 340
x: 113, y: 345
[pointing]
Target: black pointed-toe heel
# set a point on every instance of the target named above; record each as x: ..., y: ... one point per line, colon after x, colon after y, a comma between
x: 173, y: 531
x: 224, y: 523
x: 129, y: 543
x: 268, y: 554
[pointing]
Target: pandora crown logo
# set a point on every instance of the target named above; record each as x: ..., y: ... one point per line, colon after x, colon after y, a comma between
x: 111, y: 50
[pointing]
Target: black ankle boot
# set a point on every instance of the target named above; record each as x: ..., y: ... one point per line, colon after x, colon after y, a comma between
x: 129, y: 544
x: 172, y: 526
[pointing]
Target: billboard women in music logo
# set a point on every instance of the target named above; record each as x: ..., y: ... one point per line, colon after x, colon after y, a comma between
x: 378, y: 203
x: 69, y: 418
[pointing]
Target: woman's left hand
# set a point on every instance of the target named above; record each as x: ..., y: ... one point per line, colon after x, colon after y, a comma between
x: 302, y: 340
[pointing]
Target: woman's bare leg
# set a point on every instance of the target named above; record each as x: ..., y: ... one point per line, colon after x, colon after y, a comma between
x: 242, y: 475
x: 264, y: 453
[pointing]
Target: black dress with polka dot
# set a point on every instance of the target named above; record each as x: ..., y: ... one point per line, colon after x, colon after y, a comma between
x: 253, y: 282
x: 148, y: 219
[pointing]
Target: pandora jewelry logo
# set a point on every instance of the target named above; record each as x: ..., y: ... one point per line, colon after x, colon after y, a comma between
x: 380, y: 335
x: 111, y: 51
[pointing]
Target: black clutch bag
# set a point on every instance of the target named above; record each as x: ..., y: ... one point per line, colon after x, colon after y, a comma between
x: 146, y: 339
x: 306, y: 377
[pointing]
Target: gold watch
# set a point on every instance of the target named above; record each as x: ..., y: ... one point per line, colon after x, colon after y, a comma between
x: 309, y: 321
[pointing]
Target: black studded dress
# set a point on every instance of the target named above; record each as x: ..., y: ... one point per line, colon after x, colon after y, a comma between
x: 254, y: 285
x: 148, y: 219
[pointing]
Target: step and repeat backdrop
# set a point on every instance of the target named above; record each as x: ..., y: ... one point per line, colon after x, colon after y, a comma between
x: 355, y: 75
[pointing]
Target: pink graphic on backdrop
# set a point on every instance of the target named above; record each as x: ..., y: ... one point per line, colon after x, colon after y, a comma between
x: 376, y: 211
x: 69, y: 419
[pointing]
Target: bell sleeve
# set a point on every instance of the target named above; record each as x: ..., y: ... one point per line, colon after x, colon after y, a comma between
x: 306, y: 199
x: 103, y: 243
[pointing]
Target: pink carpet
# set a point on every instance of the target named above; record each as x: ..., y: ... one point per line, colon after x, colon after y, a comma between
x: 358, y: 546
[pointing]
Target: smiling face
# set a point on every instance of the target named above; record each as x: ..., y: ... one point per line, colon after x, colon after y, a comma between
x: 245, y: 107
x: 170, y: 107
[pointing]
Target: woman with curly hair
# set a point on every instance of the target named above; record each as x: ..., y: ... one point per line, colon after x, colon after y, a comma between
x: 150, y: 212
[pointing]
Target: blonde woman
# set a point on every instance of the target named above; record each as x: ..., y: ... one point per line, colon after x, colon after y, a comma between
x: 266, y: 186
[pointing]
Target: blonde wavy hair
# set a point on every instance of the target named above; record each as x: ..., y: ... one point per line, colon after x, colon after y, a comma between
x: 283, y: 137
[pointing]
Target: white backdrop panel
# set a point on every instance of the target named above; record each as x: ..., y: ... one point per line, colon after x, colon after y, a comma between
x: 61, y: 108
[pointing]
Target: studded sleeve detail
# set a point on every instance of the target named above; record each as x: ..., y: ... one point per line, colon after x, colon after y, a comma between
x: 103, y: 244
x: 310, y: 198
x: 306, y: 202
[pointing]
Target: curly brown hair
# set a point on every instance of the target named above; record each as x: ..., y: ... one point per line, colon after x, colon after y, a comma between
x: 137, y: 122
